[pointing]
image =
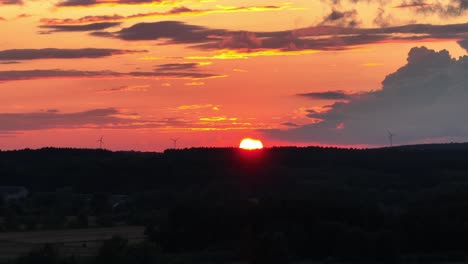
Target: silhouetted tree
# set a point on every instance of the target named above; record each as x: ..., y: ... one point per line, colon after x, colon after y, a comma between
x: 112, y: 251
x: 45, y: 255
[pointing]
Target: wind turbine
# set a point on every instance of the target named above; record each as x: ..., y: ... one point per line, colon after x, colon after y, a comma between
x: 101, y: 142
x: 174, y: 140
x: 390, y: 137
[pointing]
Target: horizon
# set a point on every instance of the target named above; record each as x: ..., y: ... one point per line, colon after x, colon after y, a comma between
x: 267, y: 148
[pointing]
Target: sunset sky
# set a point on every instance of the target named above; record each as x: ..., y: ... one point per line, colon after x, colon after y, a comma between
x: 211, y: 72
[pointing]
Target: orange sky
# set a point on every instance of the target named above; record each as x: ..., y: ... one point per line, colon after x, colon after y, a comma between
x: 210, y: 72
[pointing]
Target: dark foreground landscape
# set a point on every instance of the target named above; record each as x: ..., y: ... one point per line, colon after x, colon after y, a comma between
x: 281, y: 205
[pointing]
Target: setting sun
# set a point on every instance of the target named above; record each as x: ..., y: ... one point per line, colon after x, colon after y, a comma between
x: 250, y: 144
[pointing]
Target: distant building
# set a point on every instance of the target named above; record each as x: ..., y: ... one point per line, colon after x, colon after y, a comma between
x: 9, y: 193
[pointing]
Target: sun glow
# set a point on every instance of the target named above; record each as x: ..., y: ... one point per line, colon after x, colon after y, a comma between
x: 250, y: 144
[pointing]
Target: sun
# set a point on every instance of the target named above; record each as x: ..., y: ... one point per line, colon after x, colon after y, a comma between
x: 250, y: 144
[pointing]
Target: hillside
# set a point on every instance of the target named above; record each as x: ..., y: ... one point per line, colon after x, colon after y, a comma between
x: 405, y: 203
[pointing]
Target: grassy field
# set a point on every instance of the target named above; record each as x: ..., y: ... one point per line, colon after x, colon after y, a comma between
x: 81, y: 243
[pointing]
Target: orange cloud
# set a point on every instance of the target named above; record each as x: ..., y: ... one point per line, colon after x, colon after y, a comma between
x: 126, y: 88
x: 194, y: 84
x: 234, y: 55
x: 198, y: 106
x: 372, y: 64
x: 217, y: 119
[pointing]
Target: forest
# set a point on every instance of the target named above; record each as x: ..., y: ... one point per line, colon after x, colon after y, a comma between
x: 405, y: 204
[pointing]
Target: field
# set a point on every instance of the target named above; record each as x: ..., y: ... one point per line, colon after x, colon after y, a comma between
x: 81, y: 243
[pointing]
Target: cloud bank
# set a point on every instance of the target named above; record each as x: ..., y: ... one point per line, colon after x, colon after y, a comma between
x: 110, y: 118
x: 311, y: 38
x: 328, y: 95
x: 423, y: 100
x: 51, y: 53
x: 78, y: 28
x: 11, y: 2
x: 56, y: 73
x: 98, y: 2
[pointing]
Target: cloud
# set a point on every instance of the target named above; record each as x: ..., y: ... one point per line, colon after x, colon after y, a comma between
x: 341, y: 19
x: 383, y: 18
x: 175, y: 31
x: 290, y: 124
x: 68, y: 3
x: 77, y: 3
x: 109, y: 118
x: 441, y: 8
x: 177, y: 66
x: 2, y: 19
x: 11, y: 2
x: 78, y: 28
x: 180, y: 10
x: 285, y: 42
x: 423, y: 100
x: 23, y: 15
x: 115, y: 17
x: 187, y: 67
x: 329, y: 95
x: 217, y: 119
x: 126, y: 88
x: 55, y: 119
x: 9, y: 62
x: 412, y: 4
x: 199, y: 106
x: 451, y: 8
x: 56, y: 73
x: 464, y: 44
x: 194, y: 84
x: 50, y: 53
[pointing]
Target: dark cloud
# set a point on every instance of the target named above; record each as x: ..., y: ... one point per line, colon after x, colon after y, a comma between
x: 103, y: 34
x: 175, y: 31
x: 342, y: 19
x: 50, y: 53
x: 96, y: 118
x: 328, y: 95
x: 412, y: 4
x: 48, y: 119
x: 55, y: 73
x: 9, y: 62
x: 464, y: 44
x: 77, y: 3
x: 177, y: 66
x: 290, y: 124
x: 443, y: 8
x: 11, y: 2
x: 423, y: 100
x: 383, y: 18
x: 240, y: 40
x: 42, y: 74
x: 78, y: 28
x: 452, y: 8
x: 96, y: 2
x: 126, y: 88
x: 311, y: 38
